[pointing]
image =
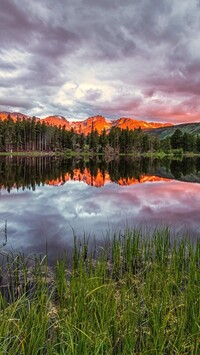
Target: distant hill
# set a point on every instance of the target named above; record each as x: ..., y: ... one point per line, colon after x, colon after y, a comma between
x: 98, y: 122
x: 164, y: 132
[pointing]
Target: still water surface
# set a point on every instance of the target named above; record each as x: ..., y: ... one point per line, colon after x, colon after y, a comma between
x: 46, y: 200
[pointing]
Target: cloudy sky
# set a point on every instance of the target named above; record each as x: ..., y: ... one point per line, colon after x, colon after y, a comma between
x: 132, y: 58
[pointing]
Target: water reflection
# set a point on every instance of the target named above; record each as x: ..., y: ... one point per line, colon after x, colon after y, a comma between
x: 41, y: 215
x: 30, y: 172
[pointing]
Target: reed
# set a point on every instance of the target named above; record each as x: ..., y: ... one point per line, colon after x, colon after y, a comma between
x: 139, y: 295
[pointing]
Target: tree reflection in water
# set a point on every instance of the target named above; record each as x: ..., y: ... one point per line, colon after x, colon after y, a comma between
x: 29, y: 172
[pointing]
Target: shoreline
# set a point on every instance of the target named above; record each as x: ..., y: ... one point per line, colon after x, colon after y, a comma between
x: 158, y: 155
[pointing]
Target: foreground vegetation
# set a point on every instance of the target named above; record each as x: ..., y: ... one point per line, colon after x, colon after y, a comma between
x: 134, y: 295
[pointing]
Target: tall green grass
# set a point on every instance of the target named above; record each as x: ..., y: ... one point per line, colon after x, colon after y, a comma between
x: 137, y: 296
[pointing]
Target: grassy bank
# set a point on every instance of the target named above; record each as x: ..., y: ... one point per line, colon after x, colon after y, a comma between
x: 28, y: 153
x: 70, y: 153
x: 132, y: 296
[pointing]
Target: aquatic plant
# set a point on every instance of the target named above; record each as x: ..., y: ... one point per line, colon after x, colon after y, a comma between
x: 138, y: 295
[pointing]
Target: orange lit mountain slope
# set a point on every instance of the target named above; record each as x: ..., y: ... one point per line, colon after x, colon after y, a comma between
x: 57, y: 121
x: 14, y: 115
x: 134, y: 124
x: 98, y: 123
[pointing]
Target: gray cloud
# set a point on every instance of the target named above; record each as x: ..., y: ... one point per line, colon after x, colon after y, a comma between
x: 82, y: 58
x: 10, y: 102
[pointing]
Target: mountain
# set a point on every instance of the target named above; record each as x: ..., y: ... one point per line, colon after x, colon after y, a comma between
x: 98, y: 122
x: 13, y: 115
x: 164, y: 132
x: 134, y: 124
x: 57, y: 121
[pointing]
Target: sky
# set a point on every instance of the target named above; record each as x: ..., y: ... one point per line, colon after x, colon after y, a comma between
x: 116, y: 58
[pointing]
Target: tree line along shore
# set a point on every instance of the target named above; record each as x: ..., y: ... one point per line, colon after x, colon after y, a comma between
x: 31, y: 135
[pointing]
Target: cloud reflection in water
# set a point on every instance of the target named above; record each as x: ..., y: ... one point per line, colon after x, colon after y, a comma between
x: 51, y: 213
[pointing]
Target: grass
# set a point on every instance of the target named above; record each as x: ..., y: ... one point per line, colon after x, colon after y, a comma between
x: 135, y: 295
x: 69, y: 153
x: 159, y: 154
x: 28, y: 153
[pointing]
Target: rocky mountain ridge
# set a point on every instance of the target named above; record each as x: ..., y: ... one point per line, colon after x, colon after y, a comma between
x: 98, y: 122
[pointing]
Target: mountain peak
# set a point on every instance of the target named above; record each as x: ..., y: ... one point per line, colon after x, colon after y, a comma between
x: 131, y: 123
x: 13, y: 115
x: 97, y: 122
x: 57, y: 120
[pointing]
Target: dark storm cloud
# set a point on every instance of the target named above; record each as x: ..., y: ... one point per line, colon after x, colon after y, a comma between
x: 26, y: 104
x: 121, y: 58
x: 18, y: 27
x: 13, y: 24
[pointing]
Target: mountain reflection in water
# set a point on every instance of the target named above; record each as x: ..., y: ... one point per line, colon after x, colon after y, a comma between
x: 39, y: 213
x: 101, y: 179
x: 29, y: 172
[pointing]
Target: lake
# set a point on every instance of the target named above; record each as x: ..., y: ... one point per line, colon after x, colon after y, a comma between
x: 46, y: 200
